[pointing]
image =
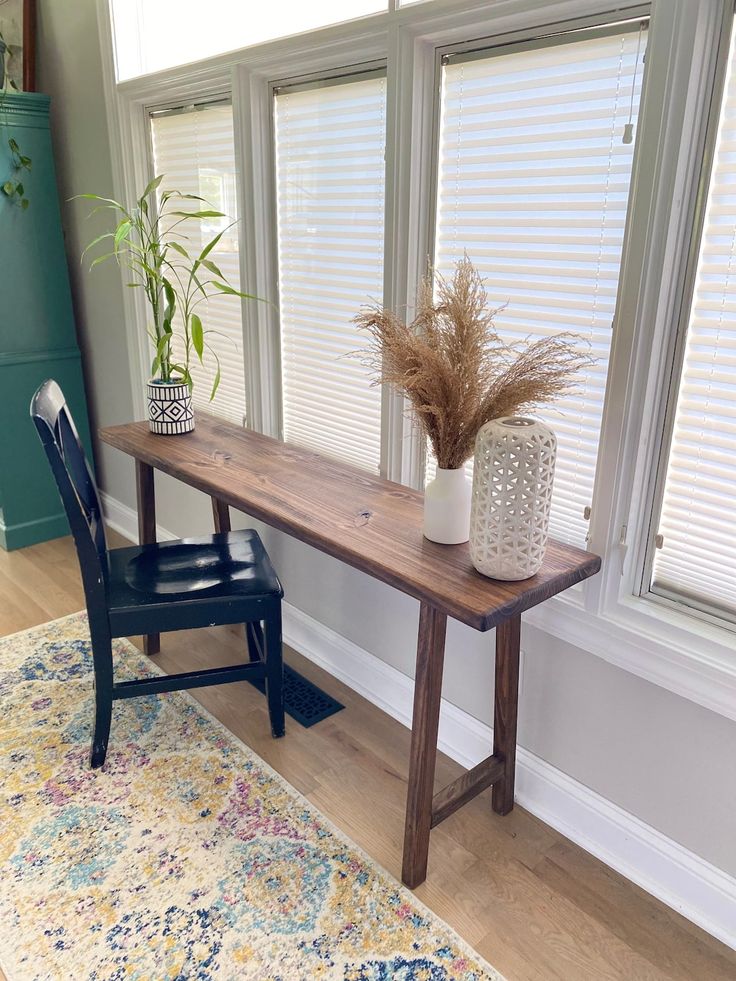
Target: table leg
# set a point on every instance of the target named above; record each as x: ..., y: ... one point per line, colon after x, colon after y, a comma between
x: 508, y: 638
x: 146, y: 529
x: 253, y: 631
x: 425, y: 725
x: 221, y: 515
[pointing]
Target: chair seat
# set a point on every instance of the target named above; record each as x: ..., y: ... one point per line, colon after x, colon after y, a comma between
x: 189, y: 582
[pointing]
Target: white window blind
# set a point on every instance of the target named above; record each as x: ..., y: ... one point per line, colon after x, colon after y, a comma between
x: 697, y: 560
x: 534, y: 184
x: 330, y: 141
x: 194, y: 149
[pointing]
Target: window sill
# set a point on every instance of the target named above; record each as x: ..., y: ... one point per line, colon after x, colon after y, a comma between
x: 668, y: 648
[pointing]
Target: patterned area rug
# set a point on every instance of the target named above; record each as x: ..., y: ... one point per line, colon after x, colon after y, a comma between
x: 187, y: 856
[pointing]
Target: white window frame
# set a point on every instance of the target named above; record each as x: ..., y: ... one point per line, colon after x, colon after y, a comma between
x: 673, y: 369
x: 606, y: 616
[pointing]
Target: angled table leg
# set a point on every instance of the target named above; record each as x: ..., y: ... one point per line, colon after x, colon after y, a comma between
x: 254, y: 630
x: 425, y: 725
x: 146, y: 497
x: 221, y: 515
x: 508, y: 639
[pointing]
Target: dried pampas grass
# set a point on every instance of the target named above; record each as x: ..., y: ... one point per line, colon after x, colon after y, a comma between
x: 455, y: 370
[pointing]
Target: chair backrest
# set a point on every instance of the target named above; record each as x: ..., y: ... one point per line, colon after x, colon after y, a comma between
x: 76, y: 485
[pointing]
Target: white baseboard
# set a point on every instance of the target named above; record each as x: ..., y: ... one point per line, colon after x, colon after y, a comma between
x: 678, y: 877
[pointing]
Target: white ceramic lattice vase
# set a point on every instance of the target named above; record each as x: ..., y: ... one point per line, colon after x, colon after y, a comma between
x: 512, y: 490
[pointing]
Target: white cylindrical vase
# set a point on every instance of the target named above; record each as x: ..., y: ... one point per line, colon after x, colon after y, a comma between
x: 169, y: 407
x: 512, y: 492
x: 447, y: 507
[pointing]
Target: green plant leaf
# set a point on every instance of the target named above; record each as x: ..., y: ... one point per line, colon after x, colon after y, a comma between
x: 95, y: 241
x: 216, y: 383
x: 156, y: 364
x: 24, y: 203
x: 9, y: 188
x: 163, y: 343
x: 209, y: 247
x: 99, y: 259
x: 208, y: 264
x: 150, y: 187
x: 170, y: 301
x: 225, y: 288
x: 197, y: 336
x: 13, y: 145
x: 198, y: 214
x: 122, y: 232
x: 178, y: 248
x: 178, y: 194
x: 96, y: 197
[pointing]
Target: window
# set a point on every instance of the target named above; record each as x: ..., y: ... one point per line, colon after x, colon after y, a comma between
x: 151, y: 35
x: 695, y: 562
x: 194, y: 149
x: 533, y: 181
x: 330, y: 141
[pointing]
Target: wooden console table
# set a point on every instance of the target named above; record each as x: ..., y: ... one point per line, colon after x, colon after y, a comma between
x: 375, y: 526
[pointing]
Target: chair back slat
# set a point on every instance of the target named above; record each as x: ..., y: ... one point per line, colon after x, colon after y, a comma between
x: 75, y: 482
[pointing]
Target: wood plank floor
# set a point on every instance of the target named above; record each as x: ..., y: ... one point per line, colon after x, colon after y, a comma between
x: 535, y: 905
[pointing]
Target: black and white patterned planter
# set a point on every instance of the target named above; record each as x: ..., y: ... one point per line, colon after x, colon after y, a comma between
x: 169, y: 408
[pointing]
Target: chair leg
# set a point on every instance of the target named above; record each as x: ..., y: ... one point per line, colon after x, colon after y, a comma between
x: 254, y: 640
x: 275, y: 675
x: 102, y: 657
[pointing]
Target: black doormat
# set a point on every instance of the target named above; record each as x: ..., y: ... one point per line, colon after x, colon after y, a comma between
x: 304, y: 702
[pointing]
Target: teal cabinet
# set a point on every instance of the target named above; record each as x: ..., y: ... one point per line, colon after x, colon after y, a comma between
x: 37, y: 335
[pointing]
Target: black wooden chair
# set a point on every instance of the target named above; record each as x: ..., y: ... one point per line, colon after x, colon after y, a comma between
x: 194, y: 582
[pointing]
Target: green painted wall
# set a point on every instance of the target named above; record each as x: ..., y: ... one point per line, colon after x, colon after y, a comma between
x: 37, y: 334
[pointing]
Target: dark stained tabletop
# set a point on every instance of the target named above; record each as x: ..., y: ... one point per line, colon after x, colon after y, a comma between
x: 370, y: 523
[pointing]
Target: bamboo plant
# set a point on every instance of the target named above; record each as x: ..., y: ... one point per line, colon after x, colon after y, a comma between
x: 150, y: 240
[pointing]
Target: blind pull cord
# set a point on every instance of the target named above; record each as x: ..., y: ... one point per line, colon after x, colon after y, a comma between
x: 629, y: 127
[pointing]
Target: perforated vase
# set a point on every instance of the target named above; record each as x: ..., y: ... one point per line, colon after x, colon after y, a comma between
x: 512, y: 491
x: 169, y: 408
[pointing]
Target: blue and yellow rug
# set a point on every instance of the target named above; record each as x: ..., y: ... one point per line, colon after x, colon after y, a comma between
x: 187, y: 856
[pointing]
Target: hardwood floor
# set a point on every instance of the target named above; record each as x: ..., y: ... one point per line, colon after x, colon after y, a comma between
x: 532, y: 903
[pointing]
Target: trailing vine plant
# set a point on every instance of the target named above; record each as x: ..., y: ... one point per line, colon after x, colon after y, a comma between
x: 12, y: 187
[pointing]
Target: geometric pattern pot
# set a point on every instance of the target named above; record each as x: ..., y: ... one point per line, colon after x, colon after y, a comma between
x: 169, y: 407
x: 512, y: 492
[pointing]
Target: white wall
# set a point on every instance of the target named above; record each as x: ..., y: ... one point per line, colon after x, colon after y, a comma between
x: 70, y: 71
x: 659, y: 756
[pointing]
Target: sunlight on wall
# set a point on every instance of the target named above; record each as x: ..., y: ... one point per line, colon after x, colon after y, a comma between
x: 151, y: 35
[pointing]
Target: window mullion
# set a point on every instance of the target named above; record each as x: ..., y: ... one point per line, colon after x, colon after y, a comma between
x: 410, y: 149
x: 254, y: 159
